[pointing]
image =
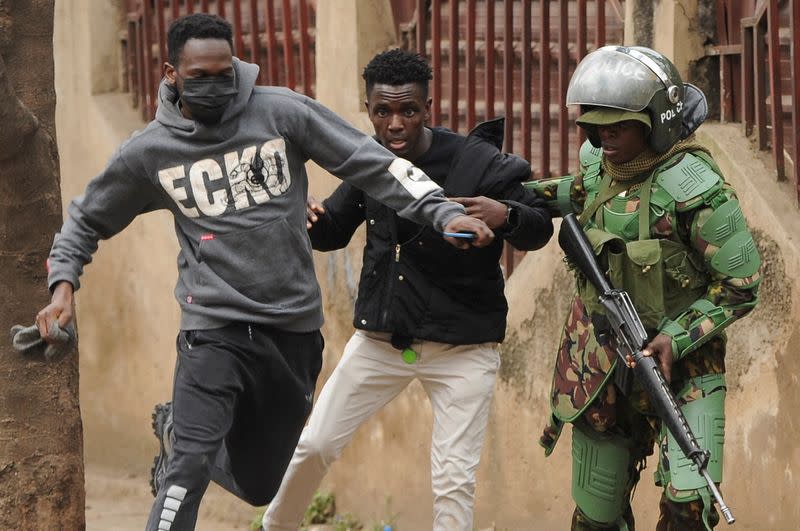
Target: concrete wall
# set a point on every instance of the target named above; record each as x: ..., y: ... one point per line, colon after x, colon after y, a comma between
x: 677, y: 28
x: 676, y: 32
x: 128, y: 319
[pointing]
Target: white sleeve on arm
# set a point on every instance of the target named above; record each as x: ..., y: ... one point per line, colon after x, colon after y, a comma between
x: 356, y: 158
x: 111, y: 201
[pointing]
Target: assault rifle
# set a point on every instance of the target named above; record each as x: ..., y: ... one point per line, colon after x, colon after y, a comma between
x: 631, y: 338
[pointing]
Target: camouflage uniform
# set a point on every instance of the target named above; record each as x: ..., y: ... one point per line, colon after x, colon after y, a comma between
x: 707, y: 284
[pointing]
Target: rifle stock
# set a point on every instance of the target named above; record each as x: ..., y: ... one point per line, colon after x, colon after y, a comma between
x: 631, y: 337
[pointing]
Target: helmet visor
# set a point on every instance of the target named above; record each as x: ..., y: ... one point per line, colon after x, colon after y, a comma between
x: 609, y: 78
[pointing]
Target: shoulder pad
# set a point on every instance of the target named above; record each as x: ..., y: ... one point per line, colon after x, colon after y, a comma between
x: 723, y: 223
x: 589, y: 155
x: 691, y: 177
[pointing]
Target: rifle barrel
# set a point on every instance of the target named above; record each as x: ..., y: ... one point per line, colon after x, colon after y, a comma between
x: 726, y: 512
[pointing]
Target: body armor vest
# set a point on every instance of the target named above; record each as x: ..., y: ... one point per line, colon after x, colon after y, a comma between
x: 663, y: 276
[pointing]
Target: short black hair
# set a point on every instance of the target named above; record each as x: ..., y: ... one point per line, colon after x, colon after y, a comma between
x: 196, y: 26
x: 397, y: 67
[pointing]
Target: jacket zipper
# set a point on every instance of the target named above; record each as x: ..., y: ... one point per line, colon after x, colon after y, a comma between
x: 390, y: 291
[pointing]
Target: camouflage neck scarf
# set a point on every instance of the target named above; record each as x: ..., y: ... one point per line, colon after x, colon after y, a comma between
x: 646, y: 161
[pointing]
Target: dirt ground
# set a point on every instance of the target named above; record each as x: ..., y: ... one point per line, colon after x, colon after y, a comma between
x: 122, y: 503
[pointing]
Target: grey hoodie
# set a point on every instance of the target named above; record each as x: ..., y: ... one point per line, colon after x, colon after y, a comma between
x: 245, y: 254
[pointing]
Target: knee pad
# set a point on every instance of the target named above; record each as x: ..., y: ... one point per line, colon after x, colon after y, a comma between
x: 601, y: 467
x: 705, y: 414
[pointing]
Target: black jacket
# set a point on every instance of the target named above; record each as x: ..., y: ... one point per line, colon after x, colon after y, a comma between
x: 414, y: 283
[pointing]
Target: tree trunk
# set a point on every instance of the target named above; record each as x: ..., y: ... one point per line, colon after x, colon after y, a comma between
x: 41, y: 440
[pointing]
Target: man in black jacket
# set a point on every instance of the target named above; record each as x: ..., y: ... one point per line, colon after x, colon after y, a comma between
x: 425, y: 309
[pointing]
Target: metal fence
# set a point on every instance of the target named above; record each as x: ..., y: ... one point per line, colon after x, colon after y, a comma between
x: 758, y: 46
x: 512, y: 58
x: 278, y: 35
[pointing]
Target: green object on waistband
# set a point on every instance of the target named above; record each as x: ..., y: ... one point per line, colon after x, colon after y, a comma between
x: 409, y: 356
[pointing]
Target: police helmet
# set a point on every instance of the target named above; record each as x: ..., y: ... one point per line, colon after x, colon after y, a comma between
x: 633, y: 79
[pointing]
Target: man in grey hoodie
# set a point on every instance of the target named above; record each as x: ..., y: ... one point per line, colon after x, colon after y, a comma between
x: 227, y: 157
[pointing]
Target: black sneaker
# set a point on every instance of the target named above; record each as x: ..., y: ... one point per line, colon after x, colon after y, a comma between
x: 162, y: 427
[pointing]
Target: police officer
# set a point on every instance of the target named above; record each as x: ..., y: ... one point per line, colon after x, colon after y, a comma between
x: 670, y: 231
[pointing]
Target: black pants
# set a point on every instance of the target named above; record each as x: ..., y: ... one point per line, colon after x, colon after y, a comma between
x: 241, y: 396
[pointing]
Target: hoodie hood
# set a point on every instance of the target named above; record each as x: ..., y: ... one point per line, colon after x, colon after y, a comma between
x: 169, y: 115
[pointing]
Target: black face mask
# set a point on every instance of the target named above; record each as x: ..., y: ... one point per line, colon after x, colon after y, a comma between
x: 207, y: 97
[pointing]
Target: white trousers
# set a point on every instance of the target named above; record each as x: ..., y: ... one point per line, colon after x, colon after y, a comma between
x: 459, y: 381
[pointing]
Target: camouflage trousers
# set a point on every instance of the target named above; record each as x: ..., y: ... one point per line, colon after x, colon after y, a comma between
x: 630, y: 417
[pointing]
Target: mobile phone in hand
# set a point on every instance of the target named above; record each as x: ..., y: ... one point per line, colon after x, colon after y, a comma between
x: 463, y: 235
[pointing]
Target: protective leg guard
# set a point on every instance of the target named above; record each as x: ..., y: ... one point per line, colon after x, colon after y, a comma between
x: 600, y: 475
x: 705, y: 414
